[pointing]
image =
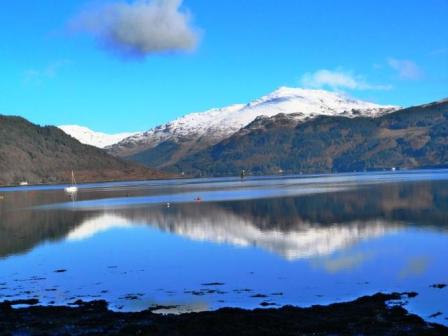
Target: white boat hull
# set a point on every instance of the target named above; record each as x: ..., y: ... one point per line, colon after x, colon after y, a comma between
x: 71, y: 190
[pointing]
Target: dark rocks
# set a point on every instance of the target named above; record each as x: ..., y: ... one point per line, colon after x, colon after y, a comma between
x: 132, y: 297
x: 435, y: 315
x: 213, y: 284
x: 438, y: 286
x: 369, y: 315
x: 197, y: 293
x: 259, y: 296
x: 410, y: 295
x: 161, y: 307
x: 202, y: 292
x: 267, y: 304
x: 78, y: 302
x: 30, y: 302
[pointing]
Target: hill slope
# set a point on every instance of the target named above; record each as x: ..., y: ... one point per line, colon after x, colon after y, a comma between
x: 167, y: 144
x: 409, y: 138
x: 37, y: 154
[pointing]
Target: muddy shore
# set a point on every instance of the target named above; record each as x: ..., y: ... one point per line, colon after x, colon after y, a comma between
x: 369, y: 315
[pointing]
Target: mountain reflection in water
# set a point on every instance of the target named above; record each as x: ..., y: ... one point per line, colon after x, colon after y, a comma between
x: 293, y: 227
x: 284, y: 240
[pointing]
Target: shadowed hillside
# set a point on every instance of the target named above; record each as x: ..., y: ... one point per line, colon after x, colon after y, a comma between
x: 415, y: 137
x: 37, y: 154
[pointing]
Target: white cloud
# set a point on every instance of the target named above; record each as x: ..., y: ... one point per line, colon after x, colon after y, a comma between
x: 139, y: 28
x: 406, y: 69
x: 416, y: 266
x: 37, y: 76
x: 337, y: 80
x: 342, y: 263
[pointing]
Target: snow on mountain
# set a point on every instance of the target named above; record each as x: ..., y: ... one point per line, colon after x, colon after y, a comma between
x: 219, y: 123
x: 89, y: 137
x: 303, y: 240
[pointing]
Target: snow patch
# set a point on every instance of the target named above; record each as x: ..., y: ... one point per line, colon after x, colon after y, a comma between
x: 219, y: 123
x: 92, y: 138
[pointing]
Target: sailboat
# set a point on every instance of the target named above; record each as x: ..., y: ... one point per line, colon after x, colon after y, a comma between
x: 72, y: 188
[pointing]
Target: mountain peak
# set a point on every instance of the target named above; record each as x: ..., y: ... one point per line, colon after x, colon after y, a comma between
x: 195, y: 131
x: 97, y: 139
x: 287, y: 91
x: 297, y: 91
x: 314, y: 97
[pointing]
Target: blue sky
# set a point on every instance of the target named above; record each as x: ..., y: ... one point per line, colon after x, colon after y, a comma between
x: 391, y: 52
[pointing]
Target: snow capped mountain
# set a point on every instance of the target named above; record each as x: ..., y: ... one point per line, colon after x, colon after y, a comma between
x: 96, y: 139
x: 196, y: 131
x: 303, y: 240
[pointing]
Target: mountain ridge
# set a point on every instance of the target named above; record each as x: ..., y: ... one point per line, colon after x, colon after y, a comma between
x: 166, y: 144
x: 415, y: 137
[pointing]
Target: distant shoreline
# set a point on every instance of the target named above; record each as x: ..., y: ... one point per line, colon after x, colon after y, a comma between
x: 88, y: 182
x: 176, y: 177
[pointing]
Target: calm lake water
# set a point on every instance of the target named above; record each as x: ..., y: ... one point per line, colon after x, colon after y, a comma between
x: 299, y: 240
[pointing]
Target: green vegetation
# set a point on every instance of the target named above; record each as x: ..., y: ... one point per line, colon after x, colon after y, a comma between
x: 47, y: 155
x: 415, y: 137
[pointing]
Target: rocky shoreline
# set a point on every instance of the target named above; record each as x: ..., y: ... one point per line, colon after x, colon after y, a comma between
x: 368, y: 315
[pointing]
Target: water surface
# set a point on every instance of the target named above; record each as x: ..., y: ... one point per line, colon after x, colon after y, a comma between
x: 298, y: 240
